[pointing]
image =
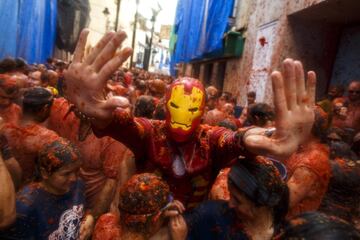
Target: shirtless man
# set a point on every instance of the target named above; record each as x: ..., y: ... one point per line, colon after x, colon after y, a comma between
x: 351, y: 108
x: 9, y: 111
x: 27, y: 138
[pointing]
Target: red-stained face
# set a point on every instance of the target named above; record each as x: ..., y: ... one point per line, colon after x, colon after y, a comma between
x: 8, y: 89
x: 354, y: 91
x: 61, y: 180
x: 185, y: 102
x: 240, y: 203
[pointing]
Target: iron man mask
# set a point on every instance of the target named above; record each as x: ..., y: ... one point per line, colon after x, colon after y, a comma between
x: 185, y: 101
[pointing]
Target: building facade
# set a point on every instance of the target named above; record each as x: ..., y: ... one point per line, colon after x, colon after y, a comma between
x: 103, y: 18
x: 323, y: 34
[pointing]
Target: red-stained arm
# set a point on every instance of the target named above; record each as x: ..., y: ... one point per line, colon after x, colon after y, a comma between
x: 114, y: 158
x: 226, y: 145
x: 130, y: 131
x: 7, y: 197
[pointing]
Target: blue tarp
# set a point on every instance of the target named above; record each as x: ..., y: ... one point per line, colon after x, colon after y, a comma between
x: 199, y: 28
x: 8, y: 26
x: 29, y: 30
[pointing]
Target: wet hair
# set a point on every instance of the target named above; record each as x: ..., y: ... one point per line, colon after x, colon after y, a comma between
x: 8, y: 86
x: 142, y: 198
x: 228, y: 124
x: 46, y: 76
x: 342, y: 196
x: 338, y: 132
x: 320, y: 126
x: 260, y: 113
x: 144, y: 107
x: 251, y: 94
x: 160, y: 113
x: 35, y: 99
x: 57, y: 154
x: 227, y: 96
x: 20, y: 63
x: 211, y: 92
x: 157, y: 87
x: 7, y: 65
x: 260, y: 181
x: 233, y: 100
x: 340, y: 89
x: 342, y: 150
x: 314, y: 226
x: 140, y: 85
x: 50, y: 60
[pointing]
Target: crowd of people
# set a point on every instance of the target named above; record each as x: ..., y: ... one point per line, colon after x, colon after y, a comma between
x: 92, y: 150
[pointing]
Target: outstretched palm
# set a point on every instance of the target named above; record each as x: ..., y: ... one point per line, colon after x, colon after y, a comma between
x: 294, y: 109
x: 86, y: 78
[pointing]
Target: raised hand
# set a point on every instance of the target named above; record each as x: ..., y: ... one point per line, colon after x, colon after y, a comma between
x: 86, y: 78
x: 294, y: 108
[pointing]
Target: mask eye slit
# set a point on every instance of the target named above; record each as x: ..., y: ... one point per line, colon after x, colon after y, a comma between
x: 193, y: 109
x: 174, y: 105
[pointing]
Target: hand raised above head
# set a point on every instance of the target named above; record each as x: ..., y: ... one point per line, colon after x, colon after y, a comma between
x: 86, y: 77
x: 294, y: 108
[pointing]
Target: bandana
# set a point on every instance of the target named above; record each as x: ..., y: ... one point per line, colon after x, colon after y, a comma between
x: 259, y: 180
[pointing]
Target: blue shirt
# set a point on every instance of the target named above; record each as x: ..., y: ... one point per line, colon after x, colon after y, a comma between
x: 213, y: 220
x: 42, y: 215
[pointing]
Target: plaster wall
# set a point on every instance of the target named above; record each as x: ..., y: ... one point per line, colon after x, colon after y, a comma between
x: 314, y: 43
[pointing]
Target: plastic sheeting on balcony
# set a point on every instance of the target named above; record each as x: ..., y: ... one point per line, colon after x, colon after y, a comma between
x: 28, y: 29
x: 199, y: 28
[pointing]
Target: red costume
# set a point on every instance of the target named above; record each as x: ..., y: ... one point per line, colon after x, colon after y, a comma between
x: 186, y: 154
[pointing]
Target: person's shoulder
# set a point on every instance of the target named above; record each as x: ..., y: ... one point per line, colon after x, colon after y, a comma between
x: 28, y: 196
x: 313, y: 159
x: 10, y: 128
x: 40, y: 132
x: 60, y: 102
x: 319, y: 150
